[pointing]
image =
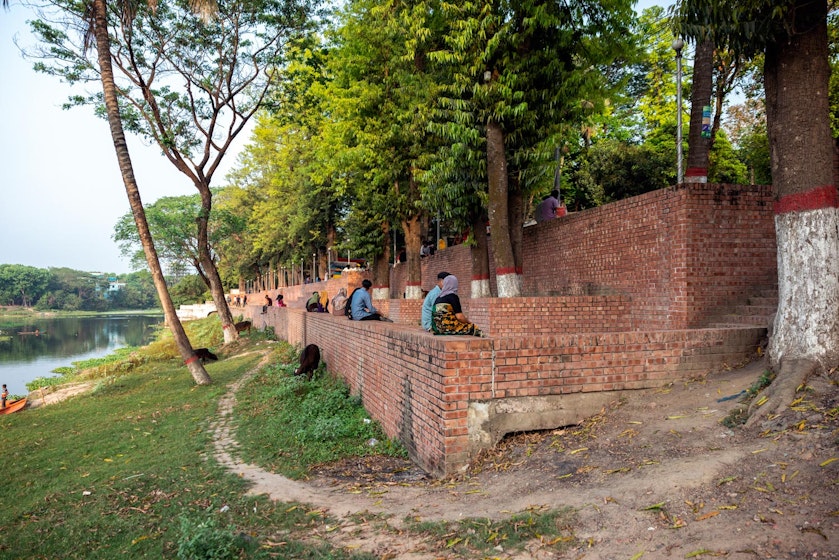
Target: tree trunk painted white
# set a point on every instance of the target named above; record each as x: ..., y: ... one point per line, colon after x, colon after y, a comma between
x: 413, y: 292
x: 807, y: 323
x: 509, y: 285
x: 480, y: 289
x: 381, y: 292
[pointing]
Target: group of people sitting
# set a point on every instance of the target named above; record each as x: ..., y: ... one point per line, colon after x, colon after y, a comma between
x: 442, y: 312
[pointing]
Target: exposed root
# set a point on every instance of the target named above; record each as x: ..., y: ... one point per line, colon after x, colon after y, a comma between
x: 773, y: 401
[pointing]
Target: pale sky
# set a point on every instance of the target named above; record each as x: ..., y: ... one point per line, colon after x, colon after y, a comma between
x: 60, y: 188
x: 61, y: 192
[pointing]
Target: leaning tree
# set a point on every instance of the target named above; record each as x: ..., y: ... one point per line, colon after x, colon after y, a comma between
x: 189, y: 82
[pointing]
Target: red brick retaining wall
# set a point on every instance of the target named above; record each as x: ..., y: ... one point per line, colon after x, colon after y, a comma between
x: 420, y: 386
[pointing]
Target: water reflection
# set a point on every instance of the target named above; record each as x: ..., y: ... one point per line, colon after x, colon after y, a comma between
x: 34, y: 348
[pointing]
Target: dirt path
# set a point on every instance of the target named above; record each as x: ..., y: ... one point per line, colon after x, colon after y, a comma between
x: 653, y: 476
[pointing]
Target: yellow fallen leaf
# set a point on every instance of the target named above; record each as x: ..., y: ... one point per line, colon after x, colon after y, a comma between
x: 728, y: 507
x: 637, y: 556
x: 139, y: 539
x: 826, y: 463
x: 756, y: 451
x: 580, y: 450
x: 708, y: 515
x: 108, y: 460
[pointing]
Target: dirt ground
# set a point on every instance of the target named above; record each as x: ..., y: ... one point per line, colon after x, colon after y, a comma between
x: 656, y: 475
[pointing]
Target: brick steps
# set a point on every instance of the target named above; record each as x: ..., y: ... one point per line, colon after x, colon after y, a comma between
x: 758, y: 311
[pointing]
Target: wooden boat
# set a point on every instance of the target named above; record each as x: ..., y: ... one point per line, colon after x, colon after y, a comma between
x: 13, y: 406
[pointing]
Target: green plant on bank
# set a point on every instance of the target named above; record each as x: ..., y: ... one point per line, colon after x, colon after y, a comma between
x: 286, y: 423
x: 479, y: 537
x: 739, y: 414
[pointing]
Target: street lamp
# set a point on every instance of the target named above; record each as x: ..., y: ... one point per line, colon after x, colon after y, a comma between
x: 678, y: 45
x: 314, y: 275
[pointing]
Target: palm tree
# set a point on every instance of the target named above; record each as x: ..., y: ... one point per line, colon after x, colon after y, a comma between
x: 99, y: 29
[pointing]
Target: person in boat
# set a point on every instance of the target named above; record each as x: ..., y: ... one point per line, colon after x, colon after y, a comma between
x: 4, y: 395
x: 448, y: 317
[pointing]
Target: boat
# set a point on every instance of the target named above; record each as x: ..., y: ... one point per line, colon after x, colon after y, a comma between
x: 13, y: 406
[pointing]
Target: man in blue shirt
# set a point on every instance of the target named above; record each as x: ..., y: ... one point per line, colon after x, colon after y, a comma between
x: 361, y: 305
x: 428, y: 302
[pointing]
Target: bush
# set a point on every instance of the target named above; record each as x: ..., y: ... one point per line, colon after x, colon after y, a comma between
x: 205, y: 540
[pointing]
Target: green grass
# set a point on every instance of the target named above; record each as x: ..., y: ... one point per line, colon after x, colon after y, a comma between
x: 480, y: 537
x: 124, y: 471
x: 286, y: 423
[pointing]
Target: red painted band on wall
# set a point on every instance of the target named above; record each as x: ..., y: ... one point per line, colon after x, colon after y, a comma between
x: 192, y: 359
x: 814, y: 199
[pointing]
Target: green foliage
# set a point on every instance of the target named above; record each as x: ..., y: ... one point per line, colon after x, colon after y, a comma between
x: 289, y: 424
x: 22, y: 285
x: 205, y: 540
x: 725, y: 166
x: 612, y: 170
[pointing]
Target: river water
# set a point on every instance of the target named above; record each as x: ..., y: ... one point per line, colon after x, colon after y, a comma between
x: 33, y: 347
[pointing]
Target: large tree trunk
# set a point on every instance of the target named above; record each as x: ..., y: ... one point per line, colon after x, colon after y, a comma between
x: 413, y: 242
x: 700, y: 97
x: 480, y: 287
x: 103, y: 46
x: 381, y: 268
x: 805, y: 337
x: 509, y: 283
x: 210, y: 269
x: 412, y: 228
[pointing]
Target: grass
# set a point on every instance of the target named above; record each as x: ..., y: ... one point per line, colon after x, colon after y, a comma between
x: 127, y: 471
x: 286, y: 424
x: 480, y: 537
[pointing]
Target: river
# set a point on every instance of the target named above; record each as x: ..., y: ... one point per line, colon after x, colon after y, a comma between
x: 34, y: 347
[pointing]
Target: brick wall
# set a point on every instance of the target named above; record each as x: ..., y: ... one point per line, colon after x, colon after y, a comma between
x: 613, y: 296
x: 676, y: 254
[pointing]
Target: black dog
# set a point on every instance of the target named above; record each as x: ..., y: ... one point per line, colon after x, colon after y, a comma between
x: 205, y: 355
x: 309, y: 361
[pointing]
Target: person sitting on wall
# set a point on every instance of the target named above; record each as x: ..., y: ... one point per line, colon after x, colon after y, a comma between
x: 361, y: 305
x: 268, y: 303
x: 448, y: 317
x: 323, y: 302
x: 279, y: 301
x: 547, y: 208
x: 313, y: 302
x: 428, y: 302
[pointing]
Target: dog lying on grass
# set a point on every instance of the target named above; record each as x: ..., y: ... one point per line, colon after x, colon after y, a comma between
x: 309, y: 361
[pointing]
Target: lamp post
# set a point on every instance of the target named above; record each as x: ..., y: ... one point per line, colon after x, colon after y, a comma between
x: 314, y: 272
x: 678, y: 45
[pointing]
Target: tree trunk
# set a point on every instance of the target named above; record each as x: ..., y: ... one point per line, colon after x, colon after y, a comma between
x: 700, y: 97
x: 210, y: 270
x: 413, y: 243
x: 805, y: 337
x: 515, y: 209
x: 103, y: 46
x: 381, y: 268
x: 480, y: 287
x: 509, y: 283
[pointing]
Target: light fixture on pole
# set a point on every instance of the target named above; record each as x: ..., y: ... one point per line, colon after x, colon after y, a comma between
x: 314, y: 275
x: 678, y: 45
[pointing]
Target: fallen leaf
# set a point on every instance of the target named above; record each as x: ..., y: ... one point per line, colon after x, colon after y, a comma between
x: 708, y: 515
x: 826, y: 463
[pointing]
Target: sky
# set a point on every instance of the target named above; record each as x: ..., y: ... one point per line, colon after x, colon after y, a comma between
x: 61, y: 192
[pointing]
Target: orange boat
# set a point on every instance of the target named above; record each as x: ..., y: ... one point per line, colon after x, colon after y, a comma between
x: 13, y: 406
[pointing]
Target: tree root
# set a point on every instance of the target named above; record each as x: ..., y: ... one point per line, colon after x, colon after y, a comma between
x: 772, y: 402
